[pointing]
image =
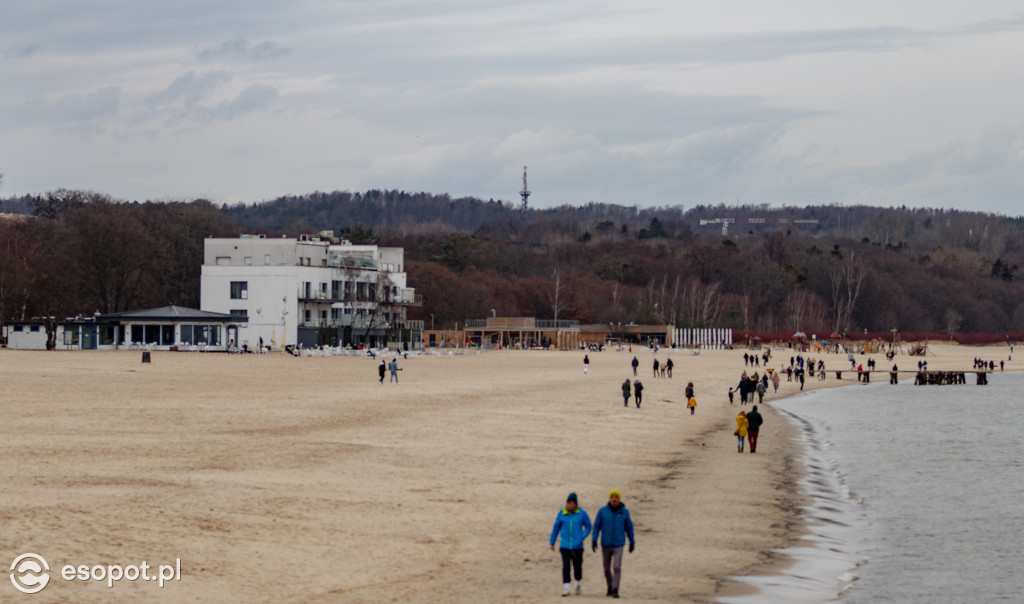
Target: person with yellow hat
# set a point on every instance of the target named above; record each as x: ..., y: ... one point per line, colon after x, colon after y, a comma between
x: 614, y: 525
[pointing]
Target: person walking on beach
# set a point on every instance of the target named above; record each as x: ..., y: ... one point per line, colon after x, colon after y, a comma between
x: 775, y: 380
x: 730, y: 395
x: 586, y: 364
x: 689, y: 390
x: 761, y: 389
x: 393, y: 368
x: 754, y: 422
x: 613, y: 525
x: 625, y: 393
x: 741, y: 430
x: 572, y: 526
x: 655, y: 367
x: 638, y: 390
x: 692, y: 404
x: 381, y: 369
x: 635, y: 364
x: 669, y: 365
x: 894, y: 376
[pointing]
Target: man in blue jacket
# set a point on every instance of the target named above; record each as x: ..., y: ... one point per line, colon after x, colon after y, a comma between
x: 613, y: 524
x: 573, y: 525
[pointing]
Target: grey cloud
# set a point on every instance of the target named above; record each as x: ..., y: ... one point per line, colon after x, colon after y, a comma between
x: 189, y: 88
x: 612, y: 115
x: 1012, y: 23
x: 80, y: 108
x: 21, y: 51
x: 258, y: 97
x: 240, y: 48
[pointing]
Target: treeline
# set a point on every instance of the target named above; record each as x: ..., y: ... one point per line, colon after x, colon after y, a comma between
x: 79, y: 253
x: 773, y: 281
x: 855, y: 269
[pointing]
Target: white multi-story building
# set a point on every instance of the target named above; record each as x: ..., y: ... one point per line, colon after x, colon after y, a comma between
x: 309, y: 291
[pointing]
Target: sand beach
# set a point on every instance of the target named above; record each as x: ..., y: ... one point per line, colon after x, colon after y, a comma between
x: 282, y: 479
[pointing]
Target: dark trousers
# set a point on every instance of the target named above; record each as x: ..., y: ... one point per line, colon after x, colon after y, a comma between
x: 752, y: 439
x: 572, y: 557
x: 612, y: 558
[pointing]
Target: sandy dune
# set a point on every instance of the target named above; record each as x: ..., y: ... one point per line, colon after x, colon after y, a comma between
x: 280, y: 479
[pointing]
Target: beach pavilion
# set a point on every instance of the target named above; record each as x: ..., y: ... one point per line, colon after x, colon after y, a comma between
x: 165, y: 328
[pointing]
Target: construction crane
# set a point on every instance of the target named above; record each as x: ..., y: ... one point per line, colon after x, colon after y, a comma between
x: 525, y: 193
x: 725, y: 222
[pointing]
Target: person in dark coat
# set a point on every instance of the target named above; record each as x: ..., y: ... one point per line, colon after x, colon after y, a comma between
x: 638, y: 389
x: 625, y: 393
x: 635, y: 364
x: 754, y: 422
x: 613, y: 525
x: 381, y: 369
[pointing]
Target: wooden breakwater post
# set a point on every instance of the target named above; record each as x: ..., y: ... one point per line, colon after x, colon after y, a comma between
x: 944, y: 378
x: 922, y: 378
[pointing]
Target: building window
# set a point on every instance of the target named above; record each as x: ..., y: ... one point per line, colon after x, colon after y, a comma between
x: 17, y: 328
x: 34, y: 328
x: 240, y: 312
x: 223, y: 260
x: 239, y: 290
x: 309, y: 315
x: 247, y: 260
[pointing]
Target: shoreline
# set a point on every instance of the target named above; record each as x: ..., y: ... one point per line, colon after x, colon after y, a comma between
x: 242, y: 465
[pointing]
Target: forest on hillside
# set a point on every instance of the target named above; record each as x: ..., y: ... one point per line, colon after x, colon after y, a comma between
x: 852, y: 269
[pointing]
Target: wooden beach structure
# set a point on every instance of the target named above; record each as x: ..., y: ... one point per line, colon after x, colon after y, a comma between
x: 923, y: 378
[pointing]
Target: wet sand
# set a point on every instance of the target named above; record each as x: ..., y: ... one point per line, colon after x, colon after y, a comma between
x: 281, y: 479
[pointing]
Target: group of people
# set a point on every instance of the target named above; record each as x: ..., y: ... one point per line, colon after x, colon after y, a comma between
x: 989, y: 365
x: 384, y: 368
x: 750, y: 386
x: 612, y: 525
x: 637, y: 392
x: 748, y: 425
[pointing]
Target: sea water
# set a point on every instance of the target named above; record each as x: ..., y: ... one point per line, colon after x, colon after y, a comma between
x: 917, y: 495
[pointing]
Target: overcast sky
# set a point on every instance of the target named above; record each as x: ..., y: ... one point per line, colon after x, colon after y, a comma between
x: 646, y: 102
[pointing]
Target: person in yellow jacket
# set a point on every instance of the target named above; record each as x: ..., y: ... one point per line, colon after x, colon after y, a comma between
x: 741, y: 430
x: 692, y: 404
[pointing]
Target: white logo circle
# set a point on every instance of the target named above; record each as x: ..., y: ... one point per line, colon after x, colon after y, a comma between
x: 27, y: 573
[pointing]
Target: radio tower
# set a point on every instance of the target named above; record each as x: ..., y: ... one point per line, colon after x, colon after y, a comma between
x: 525, y: 193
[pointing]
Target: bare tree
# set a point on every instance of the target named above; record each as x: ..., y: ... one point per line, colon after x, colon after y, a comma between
x: 953, y: 321
x: 804, y: 310
x: 113, y: 253
x: 702, y: 303
x: 845, y: 278
x: 555, y: 293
